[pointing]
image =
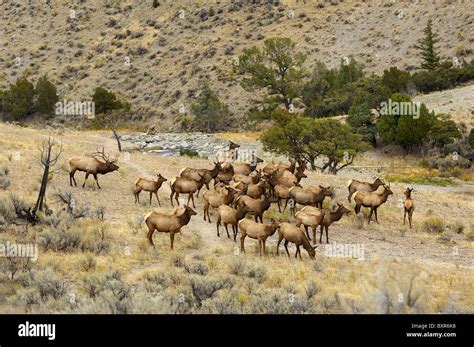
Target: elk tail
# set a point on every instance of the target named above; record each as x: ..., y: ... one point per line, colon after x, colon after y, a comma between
x: 137, y: 180
x: 182, y: 170
x: 353, y: 196
x: 349, y: 183
x: 147, y: 215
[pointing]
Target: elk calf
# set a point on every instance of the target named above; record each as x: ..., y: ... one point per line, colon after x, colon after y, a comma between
x: 291, y: 233
x: 167, y: 223
x: 148, y: 186
x: 408, y: 206
x: 257, y: 231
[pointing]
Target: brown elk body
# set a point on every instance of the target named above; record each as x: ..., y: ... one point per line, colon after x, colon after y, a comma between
x: 225, y: 174
x: 196, y: 173
x: 216, y: 199
x: 246, y: 168
x: 181, y: 185
x: 148, y: 186
x: 91, y: 166
x: 408, y: 206
x: 228, y: 215
x: 271, y: 168
x: 167, y: 223
x: 372, y: 200
x: 354, y: 186
x: 292, y: 233
x: 329, y: 218
x: 257, y: 206
x: 309, y: 219
x: 308, y: 197
x: 257, y: 231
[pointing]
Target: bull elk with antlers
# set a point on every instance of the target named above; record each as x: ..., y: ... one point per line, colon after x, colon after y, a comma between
x: 92, y: 166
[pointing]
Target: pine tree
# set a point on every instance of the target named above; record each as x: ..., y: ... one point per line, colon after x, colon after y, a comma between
x: 427, y: 47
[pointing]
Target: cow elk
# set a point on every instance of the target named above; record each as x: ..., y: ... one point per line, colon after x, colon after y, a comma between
x: 372, y: 200
x: 354, y: 186
x: 292, y: 233
x: 225, y: 175
x: 271, y: 168
x: 181, y: 185
x: 309, y: 219
x: 408, y: 206
x: 308, y: 197
x: 195, y: 174
x: 257, y: 206
x: 257, y: 231
x: 148, y: 186
x: 329, y: 218
x: 246, y: 168
x: 168, y: 223
x: 228, y: 215
x: 92, y: 166
x: 215, y: 199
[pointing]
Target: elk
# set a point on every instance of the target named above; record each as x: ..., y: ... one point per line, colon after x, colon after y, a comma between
x: 282, y: 193
x: 215, y: 199
x: 329, y: 218
x: 246, y: 168
x: 167, y: 223
x: 91, y: 166
x: 287, y: 179
x: 257, y: 231
x: 310, y: 218
x: 228, y: 215
x: 292, y: 233
x: 257, y: 206
x: 253, y: 190
x: 188, y: 172
x: 148, y: 186
x: 225, y: 174
x: 271, y: 168
x: 372, y: 200
x: 354, y: 185
x: 246, y: 179
x: 181, y: 185
x: 307, y: 197
x: 408, y: 206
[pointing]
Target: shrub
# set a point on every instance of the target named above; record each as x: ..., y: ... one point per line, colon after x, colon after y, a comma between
x: 188, y: 152
x: 433, y: 224
x: 198, y: 269
x: 65, y: 237
x: 203, y: 288
x: 470, y: 236
x: 237, y: 267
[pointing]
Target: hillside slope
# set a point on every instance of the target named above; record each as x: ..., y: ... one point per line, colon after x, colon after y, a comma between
x: 158, y: 58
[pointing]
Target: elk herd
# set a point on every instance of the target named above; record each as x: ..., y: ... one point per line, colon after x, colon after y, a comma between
x: 240, y: 189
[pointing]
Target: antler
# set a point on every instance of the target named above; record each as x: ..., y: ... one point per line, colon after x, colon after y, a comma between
x: 101, y: 154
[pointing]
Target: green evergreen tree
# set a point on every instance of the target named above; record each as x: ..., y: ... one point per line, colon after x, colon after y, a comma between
x: 427, y: 46
x: 19, y: 99
x: 46, y: 96
x: 210, y: 114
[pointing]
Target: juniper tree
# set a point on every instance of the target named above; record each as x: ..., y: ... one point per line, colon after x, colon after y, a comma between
x: 427, y: 47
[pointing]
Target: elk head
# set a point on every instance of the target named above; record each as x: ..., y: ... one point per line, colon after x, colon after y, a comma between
x: 190, y: 211
x: 327, y: 191
x: 408, y: 192
x: 343, y: 209
x: 379, y: 182
x: 233, y: 145
x: 160, y: 179
x: 387, y: 189
x: 109, y: 163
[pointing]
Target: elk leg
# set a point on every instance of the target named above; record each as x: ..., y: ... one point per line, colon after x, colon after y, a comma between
x: 260, y: 248
x: 206, y: 206
x: 357, y: 209
x: 307, y: 233
x: 376, y: 218
x: 96, y: 181
x: 157, y: 198
x: 404, y: 216
x: 410, y: 214
x: 172, y: 238
x: 280, y: 238
x: 227, y: 230
x: 286, y: 247
x: 192, y: 198
x: 327, y: 236
x: 256, y: 218
x: 85, y: 179
x: 208, y: 214
x: 264, y: 247
x: 150, y: 236
x: 321, y: 235
x: 286, y: 204
x: 151, y: 195
x: 171, y: 197
x: 370, y: 214
x: 279, y: 207
x: 242, y: 238
x: 71, y: 178
x: 218, y: 224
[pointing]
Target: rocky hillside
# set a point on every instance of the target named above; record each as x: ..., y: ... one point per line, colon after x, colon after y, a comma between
x: 158, y: 57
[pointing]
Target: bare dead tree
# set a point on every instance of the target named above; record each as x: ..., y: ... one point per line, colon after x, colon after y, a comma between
x: 50, y: 150
x: 113, y: 120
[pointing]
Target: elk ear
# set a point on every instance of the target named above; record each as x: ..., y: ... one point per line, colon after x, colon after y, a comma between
x: 314, y: 247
